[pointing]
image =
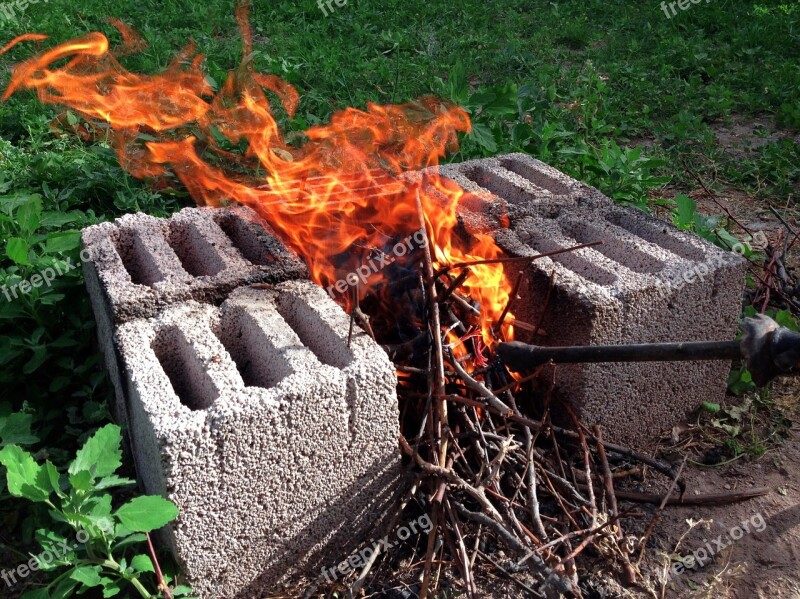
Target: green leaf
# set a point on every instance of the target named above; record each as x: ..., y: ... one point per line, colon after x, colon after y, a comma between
x: 65, y: 589
x: 59, y: 219
x: 459, y: 88
x: 482, y: 135
x: 145, y: 514
x: 731, y: 242
x: 128, y: 541
x: 62, y: 242
x: 98, y: 510
x: 142, y: 563
x: 113, y: 481
x: 17, y: 250
x: 24, y: 477
x: 37, y: 594
x: 28, y: 215
x: 54, y: 478
x: 16, y: 429
x: 101, y: 455
x: 81, y: 481
x: 89, y: 576
x: 782, y: 317
x: 111, y: 587
x: 709, y: 406
x: 49, y: 538
x: 39, y: 357
x: 684, y: 215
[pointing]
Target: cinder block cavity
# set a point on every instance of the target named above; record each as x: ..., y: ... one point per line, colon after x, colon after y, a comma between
x: 649, y: 282
x: 519, y: 182
x: 277, y: 441
x: 141, y: 264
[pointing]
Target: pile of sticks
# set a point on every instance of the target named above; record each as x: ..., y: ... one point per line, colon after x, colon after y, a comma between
x: 776, y: 285
x: 485, y: 467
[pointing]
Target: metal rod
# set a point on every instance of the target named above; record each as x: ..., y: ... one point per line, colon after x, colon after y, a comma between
x: 766, y: 349
x: 521, y: 356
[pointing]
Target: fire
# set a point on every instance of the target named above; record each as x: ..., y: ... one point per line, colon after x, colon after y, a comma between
x: 336, y: 199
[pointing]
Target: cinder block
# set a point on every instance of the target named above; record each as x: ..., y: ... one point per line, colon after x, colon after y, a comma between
x: 519, y: 182
x: 649, y: 282
x: 632, y: 289
x: 276, y: 439
x: 140, y: 264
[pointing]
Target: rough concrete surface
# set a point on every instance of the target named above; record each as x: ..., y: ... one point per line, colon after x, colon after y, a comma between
x: 277, y: 441
x: 140, y: 264
x: 648, y: 282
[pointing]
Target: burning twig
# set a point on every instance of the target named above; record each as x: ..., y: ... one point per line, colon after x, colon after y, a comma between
x: 480, y: 388
x: 512, y: 295
x: 453, y: 286
x: 515, y: 259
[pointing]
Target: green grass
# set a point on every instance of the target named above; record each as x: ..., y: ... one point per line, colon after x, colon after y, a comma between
x: 572, y: 83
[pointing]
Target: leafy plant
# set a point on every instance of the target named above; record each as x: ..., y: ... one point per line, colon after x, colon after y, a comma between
x: 15, y: 428
x: 686, y: 216
x: 80, y: 508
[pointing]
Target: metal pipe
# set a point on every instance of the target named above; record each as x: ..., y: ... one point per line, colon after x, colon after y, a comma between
x: 520, y: 356
x: 767, y: 350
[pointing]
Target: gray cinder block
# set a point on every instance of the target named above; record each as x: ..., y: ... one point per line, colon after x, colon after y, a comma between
x: 277, y: 441
x: 140, y: 264
x: 519, y: 182
x: 649, y: 282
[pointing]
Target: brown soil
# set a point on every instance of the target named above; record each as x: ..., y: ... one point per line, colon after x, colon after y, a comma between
x: 740, y: 135
x: 760, y: 564
x: 764, y: 561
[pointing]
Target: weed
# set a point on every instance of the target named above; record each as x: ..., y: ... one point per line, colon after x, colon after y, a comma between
x: 80, y: 509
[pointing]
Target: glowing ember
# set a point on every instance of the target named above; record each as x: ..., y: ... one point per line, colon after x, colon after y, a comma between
x: 335, y: 198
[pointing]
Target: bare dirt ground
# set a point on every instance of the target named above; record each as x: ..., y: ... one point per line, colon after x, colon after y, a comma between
x: 740, y: 135
x: 752, y: 547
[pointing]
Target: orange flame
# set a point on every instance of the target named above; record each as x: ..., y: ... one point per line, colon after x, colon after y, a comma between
x: 341, y: 189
